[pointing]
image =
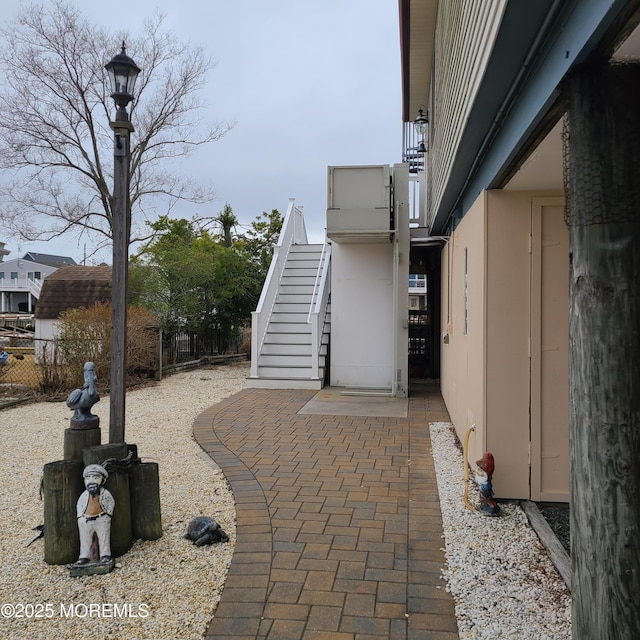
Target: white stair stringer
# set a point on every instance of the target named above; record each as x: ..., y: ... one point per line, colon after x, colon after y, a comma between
x: 285, y: 358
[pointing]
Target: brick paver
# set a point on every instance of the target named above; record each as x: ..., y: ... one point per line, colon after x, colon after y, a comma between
x: 339, y: 532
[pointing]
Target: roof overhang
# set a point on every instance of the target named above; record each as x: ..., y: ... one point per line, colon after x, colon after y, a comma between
x: 417, y: 34
x: 519, y: 100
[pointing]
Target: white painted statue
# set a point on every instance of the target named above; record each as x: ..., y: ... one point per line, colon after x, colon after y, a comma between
x: 94, y: 510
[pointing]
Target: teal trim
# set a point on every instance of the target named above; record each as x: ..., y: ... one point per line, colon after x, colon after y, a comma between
x: 568, y: 37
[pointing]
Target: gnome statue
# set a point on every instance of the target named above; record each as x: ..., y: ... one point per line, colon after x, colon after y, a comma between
x: 483, y: 474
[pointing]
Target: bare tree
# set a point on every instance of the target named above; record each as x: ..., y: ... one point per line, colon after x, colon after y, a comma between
x: 56, y: 146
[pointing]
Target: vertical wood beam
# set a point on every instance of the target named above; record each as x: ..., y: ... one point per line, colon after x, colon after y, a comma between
x: 120, y: 226
x: 603, y: 171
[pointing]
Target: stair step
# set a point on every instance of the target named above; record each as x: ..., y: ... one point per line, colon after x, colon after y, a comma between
x: 300, y: 373
x: 293, y: 298
x: 292, y: 307
x: 273, y: 337
x: 289, y: 327
x: 302, y: 280
x: 297, y: 289
x: 283, y: 360
x: 302, y: 262
x: 299, y: 317
x: 286, y: 349
x: 305, y: 248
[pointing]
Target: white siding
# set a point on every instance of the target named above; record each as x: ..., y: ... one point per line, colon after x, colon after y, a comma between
x: 466, y: 32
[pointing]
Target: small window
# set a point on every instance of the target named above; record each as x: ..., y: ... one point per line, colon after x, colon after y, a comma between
x: 14, y: 275
x: 1, y: 275
x: 37, y: 275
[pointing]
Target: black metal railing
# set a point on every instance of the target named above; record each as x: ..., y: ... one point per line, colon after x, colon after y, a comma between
x: 411, y: 148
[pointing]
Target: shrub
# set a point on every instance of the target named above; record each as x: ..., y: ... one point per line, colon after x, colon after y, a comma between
x: 85, y: 336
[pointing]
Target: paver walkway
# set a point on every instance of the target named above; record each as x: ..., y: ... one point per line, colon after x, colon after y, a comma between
x: 339, y: 532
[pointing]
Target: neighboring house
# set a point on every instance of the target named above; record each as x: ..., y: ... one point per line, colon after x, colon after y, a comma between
x: 69, y: 287
x: 21, y: 279
x: 477, y: 210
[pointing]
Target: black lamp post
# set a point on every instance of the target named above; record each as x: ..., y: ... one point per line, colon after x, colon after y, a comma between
x: 123, y: 73
x: 420, y: 124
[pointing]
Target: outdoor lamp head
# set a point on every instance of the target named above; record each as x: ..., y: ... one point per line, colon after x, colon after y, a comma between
x: 123, y: 72
x: 420, y: 123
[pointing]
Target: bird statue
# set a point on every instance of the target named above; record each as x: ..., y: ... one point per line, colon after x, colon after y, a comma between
x: 80, y: 401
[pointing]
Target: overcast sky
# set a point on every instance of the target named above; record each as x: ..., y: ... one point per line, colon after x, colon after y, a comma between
x: 309, y: 84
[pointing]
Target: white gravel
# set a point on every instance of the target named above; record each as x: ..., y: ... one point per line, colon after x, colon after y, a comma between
x: 502, y: 580
x: 163, y: 589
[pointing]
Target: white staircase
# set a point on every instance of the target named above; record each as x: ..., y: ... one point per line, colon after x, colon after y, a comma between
x: 286, y: 356
x: 290, y: 327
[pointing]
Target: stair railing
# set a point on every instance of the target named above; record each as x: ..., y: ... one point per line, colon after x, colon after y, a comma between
x: 293, y: 232
x: 35, y: 287
x: 318, y: 306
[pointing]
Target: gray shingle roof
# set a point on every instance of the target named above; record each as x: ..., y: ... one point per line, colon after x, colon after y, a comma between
x: 71, y: 287
x: 48, y: 259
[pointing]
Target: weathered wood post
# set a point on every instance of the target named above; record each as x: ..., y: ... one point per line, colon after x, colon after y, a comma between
x: 603, y: 191
x: 76, y: 440
x: 118, y: 485
x: 146, y: 520
x: 62, y: 485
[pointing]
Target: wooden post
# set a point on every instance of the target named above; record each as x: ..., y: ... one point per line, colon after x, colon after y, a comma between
x: 76, y: 440
x: 118, y: 484
x: 146, y: 520
x: 62, y: 485
x: 120, y: 230
x: 603, y: 171
x: 160, y: 354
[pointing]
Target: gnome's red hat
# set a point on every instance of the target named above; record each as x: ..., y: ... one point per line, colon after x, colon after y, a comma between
x: 486, y: 463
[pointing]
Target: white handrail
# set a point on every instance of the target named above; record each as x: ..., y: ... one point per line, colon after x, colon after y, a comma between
x: 293, y: 232
x: 316, y: 282
x: 317, y: 308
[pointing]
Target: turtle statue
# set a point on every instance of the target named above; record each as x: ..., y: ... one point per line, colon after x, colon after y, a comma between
x: 205, y: 530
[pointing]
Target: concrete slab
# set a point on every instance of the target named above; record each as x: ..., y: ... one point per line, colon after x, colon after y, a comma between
x: 338, y: 401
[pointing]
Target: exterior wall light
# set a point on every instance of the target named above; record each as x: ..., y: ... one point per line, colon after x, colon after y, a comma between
x: 420, y: 124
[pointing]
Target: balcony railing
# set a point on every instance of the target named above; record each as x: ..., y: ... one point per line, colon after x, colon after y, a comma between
x: 410, y: 144
x: 21, y: 284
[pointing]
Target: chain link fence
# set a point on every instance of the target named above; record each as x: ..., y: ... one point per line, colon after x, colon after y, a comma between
x: 35, y: 368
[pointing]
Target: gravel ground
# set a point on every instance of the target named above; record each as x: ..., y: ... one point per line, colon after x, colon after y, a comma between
x: 503, y: 583
x: 499, y: 574
x: 162, y: 589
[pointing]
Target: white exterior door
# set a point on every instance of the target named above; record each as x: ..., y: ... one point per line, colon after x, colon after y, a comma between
x: 549, y: 351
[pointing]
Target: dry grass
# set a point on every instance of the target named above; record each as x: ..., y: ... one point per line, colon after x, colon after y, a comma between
x: 21, y: 368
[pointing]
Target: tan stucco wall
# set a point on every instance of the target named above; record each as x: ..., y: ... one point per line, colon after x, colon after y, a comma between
x: 462, y: 358
x: 485, y: 377
x: 509, y: 224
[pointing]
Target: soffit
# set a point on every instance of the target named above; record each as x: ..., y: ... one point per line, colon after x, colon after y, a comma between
x: 542, y: 168
x: 419, y: 18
